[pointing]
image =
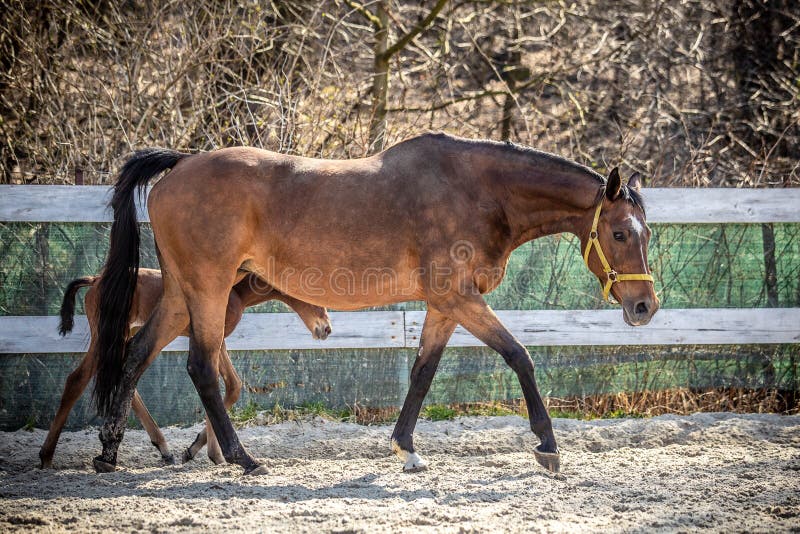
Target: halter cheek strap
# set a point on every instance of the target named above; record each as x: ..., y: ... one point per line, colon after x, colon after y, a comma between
x: 612, y: 275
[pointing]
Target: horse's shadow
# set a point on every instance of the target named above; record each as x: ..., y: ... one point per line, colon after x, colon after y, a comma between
x: 118, y: 484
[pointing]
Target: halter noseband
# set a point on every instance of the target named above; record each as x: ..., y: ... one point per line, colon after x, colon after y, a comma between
x: 613, y: 276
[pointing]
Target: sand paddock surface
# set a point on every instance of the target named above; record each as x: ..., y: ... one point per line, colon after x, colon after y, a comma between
x: 721, y: 472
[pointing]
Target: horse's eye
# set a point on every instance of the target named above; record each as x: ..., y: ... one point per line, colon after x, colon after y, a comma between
x: 619, y: 236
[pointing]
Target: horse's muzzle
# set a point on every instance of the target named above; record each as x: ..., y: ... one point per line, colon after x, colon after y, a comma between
x: 322, y: 331
x: 639, y: 312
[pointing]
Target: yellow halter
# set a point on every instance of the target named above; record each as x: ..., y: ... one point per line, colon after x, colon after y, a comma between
x: 613, y: 276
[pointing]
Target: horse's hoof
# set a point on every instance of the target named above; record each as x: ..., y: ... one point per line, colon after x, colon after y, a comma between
x: 46, y: 464
x: 257, y: 471
x: 101, y: 466
x: 168, y: 459
x: 549, y: 460
x: 187, y: 456
x: 414, y: 464
x: 412, y: 461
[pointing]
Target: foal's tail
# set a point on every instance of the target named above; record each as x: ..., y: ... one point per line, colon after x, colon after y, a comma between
x: 120, y: 272
x: 68, y: 304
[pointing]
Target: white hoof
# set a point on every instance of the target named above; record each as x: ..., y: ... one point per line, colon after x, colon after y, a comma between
x: 413, y: 461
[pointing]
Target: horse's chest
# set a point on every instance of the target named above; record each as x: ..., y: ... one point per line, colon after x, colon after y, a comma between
x: 488, y: 276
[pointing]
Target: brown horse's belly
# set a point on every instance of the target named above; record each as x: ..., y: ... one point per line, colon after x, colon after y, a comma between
x: 342, y: 288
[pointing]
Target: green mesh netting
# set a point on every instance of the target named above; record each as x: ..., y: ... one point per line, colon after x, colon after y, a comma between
x: 694, y: 265
x: 31, y: 384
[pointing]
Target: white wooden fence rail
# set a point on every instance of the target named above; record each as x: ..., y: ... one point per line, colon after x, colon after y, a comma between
x: 87, y: 203
x: 397, y: 329
x: 402, y: 329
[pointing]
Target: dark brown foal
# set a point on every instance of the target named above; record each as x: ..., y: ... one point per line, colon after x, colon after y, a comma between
x: 434, y: 218
x: 248, y: 292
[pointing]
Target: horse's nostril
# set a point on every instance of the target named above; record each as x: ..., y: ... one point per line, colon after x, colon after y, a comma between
x: 327, y: 330
x: 641, y: 308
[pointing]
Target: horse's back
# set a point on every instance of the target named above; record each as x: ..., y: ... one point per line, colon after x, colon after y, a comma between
x: 243, y: 183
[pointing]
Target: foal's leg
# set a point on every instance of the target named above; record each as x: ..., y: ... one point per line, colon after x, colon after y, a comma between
x: 314, y: 317
x: 76, y: 384
x: 150, y: 426
x: 168, y: 320
x: 472, y: 312
x: 436, y: 330
x: 214, y: 451
x: 233, y: 389
x: 208, y: 324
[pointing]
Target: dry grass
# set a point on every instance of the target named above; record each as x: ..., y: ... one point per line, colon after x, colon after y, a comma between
x: 679, y: 401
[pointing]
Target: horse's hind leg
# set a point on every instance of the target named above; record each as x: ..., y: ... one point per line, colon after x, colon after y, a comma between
x: 436, y: 330
x: 207, y: 312
x: 233, y: 388
x: 76, y: 384
x: 150, y: 426
x: 168, y: 320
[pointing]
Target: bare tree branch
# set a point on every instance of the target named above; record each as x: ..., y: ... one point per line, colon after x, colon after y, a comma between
x: 416, y: 30
x: 366, y: 13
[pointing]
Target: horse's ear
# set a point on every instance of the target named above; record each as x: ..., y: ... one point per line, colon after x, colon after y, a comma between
x: 614, y: 184
x: 635, y: 181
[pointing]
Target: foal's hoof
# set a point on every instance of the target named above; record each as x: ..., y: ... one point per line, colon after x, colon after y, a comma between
x: 257, y: 471
x: 549, y: 460
x: 101, y: 466
x: 187, y: 456
x: 168, y: 459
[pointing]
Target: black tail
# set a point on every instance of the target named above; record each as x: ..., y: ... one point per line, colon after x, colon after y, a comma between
x: 68, y: 304
x: 120, y: 272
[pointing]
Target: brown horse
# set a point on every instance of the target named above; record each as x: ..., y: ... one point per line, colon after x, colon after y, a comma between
x: 434, y: 218
x: 248, y: 292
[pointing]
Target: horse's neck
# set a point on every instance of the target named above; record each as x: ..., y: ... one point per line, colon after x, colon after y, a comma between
x: 544, y: 197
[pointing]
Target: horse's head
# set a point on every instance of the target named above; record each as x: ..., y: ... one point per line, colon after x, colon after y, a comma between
x: 318, y: 322
x: 615, y: 249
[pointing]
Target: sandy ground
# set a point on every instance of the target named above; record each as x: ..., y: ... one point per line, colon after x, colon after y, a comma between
x: 708, y: 471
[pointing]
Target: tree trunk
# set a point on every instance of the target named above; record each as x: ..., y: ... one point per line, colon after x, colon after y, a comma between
x: 380, y: 83
x: 508, y: 114
x: 771, y: 282
x: 511, y: 72
x: 757, y: 55
x: 42, y: 252
x: 770, y: 266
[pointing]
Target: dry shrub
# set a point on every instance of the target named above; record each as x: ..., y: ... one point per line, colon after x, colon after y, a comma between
x: 681, y: 401
x: 692, y: 92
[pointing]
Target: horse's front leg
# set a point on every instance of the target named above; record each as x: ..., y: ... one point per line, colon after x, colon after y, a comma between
x: 436, y: 330
x: 472, y: 312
